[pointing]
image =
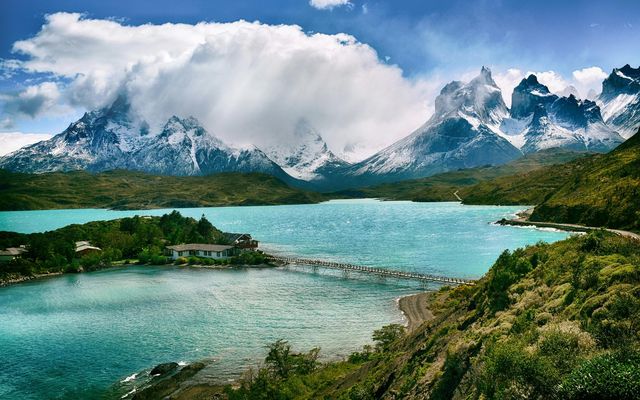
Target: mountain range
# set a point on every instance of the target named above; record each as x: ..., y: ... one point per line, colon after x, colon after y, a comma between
x: 471, y: 126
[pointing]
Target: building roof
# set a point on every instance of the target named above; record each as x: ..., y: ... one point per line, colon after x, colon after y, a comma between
x: 13, y: 251
x: 200, y: 246
x: 85, y: 245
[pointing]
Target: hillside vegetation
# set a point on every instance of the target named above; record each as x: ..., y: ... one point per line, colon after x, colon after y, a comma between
x: 135, y: 190
x: 441, y: 187
x: 599, y: 190
x: 550, y: 321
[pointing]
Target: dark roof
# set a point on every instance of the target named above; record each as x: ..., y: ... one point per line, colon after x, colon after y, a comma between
x: 234, y: 236
x: 199, y: 246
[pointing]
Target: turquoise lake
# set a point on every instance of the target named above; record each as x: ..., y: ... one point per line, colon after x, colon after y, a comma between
x: 75, y: 336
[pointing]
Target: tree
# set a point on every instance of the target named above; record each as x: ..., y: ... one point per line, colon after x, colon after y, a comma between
x: 386, y: 335
x: 205, y: 228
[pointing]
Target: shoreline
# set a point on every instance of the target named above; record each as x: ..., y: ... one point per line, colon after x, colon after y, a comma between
x: 16, y: 280
x: 414, y: 309
x: 522, y: 219
x: 23, y: 279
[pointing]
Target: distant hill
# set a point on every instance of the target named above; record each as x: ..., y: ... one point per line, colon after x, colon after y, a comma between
x: 441, y: 187
x: 136, y: 190
x: 599, y: 190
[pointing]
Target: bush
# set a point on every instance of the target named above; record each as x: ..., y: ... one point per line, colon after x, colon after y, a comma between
x: 181, y: 261
x: 387, y: 335
x: 194, y: 260
x: 609, y: 376
x: 511, y: 372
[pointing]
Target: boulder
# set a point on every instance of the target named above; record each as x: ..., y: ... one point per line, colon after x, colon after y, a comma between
x: 163, y: 369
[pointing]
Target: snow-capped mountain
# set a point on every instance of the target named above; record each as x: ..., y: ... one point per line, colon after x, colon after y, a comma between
x: 462, y: 133
x: 541, y: 120
x: 620, y: 100
x: 307, y: 156
x: 114, y: 138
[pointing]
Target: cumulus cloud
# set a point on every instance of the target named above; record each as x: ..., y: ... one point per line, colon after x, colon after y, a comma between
x: 249, y: 83
x: 12, y: 141
x: 329, y: 4
x: 32, y: 101
x: 584, y: 81
x: 588, y: 79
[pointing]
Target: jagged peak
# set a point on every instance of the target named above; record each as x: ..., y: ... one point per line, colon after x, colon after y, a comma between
x: 187, y: 123
x: 530, y: 83
x: 531, y: 79
x: 484, y: 78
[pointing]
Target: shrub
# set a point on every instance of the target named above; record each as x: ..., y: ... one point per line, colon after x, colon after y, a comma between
x: 609, y: 376
x: 387, y: 335
x: 193, y: 260
x: 181, y: 261
x: 510, y: 371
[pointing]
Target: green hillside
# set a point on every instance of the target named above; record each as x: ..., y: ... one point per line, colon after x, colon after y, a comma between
x: 135, y: 190
x: 599, y: 190
x: 441, y: 187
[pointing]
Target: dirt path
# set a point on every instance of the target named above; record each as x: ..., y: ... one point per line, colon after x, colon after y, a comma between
x: 414, y: 307
x: 523, y: 220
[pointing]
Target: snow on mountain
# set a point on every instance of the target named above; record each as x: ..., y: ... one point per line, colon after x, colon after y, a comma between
x: 462, y: 133
x: 79, y: 147
x: 114, y: 138
x: 620, y: 100
x: 307, y: 156
x: 541, y: 120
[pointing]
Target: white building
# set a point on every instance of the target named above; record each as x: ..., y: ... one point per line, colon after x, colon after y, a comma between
x: 201, y: 250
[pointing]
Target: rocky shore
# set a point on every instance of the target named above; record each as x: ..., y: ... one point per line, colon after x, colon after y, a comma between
x: 13, y: 279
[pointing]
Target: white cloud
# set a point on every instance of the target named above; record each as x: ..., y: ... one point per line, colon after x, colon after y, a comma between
x: 506, y: 81
x: 247, y: 82
x: 583, y: 80
x: 329, y: 4
x: 33, y: 100
x: 12, y: 141
x: 589, y: 78
x: 551, y: 79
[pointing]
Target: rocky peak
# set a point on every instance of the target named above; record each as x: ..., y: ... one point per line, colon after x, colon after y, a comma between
x: 527, y: 95
x: 625, y: 80
x: 480, y: 98
x: 176, y: 124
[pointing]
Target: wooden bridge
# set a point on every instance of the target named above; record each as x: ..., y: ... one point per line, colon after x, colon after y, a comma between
x: 384, y: 272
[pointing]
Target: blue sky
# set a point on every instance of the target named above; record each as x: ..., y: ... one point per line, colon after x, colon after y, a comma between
x: 563, y: 35
x: 429, y: 41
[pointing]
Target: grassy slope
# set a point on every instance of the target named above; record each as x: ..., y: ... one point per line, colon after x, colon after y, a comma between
x: 549, y: 321
x: 599, y: 190
x: 133, y: 190
x: 442, y: 186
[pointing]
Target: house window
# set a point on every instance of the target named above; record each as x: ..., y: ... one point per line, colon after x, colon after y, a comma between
x: 218, y: 254
x: 192, y: 252
x: 180, y: 253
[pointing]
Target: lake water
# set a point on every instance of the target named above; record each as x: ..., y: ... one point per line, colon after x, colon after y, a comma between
x: 73, y: 336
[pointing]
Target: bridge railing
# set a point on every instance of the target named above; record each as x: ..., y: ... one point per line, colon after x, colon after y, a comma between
x: 373, y: 270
